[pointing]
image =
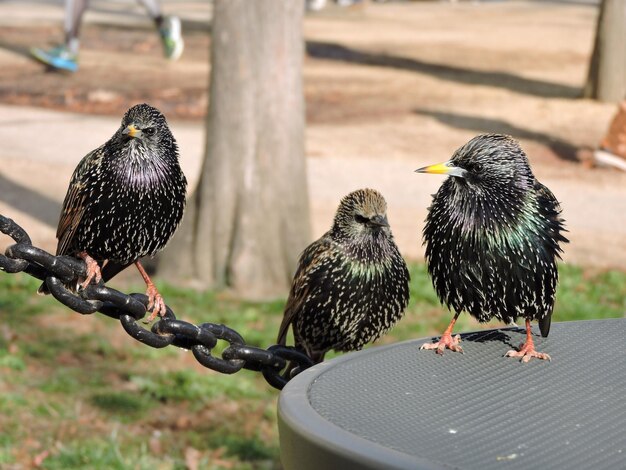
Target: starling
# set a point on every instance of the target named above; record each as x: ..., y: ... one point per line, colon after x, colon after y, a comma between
x: 351, y: 285
x: 125, y: 201
x: 492, y: 237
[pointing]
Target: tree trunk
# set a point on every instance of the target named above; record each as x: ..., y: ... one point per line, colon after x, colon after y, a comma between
x: 248, y: 220
x: 606, y: 80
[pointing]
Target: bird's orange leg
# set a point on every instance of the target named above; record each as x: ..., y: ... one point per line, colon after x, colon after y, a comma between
x: 527, y: 349
x: 93, y: 270
x: 155, y: 301
x: 446, y: 340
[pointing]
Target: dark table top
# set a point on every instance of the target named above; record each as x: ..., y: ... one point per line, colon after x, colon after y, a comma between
x: 400, y: 408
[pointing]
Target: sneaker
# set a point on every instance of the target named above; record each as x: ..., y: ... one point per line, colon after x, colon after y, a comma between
x: 171, y: 37
x: 59, y: 58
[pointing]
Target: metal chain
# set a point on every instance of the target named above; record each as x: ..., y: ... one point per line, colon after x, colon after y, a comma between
x: 58, y: 271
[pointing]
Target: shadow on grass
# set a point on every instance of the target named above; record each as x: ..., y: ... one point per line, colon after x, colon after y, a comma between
x: 26, y: 200
x: 560, y: 147
x: 16, y: 49
x: 528, y: 86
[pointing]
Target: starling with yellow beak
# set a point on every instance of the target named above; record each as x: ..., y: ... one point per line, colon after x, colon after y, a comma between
x: 125, y: 200
x: 493, y: 236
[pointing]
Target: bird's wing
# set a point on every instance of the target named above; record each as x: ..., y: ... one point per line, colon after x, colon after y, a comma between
x: 551, y: 211
x: 74, y: 203
x: 308, y: 266
x: 546, y: 195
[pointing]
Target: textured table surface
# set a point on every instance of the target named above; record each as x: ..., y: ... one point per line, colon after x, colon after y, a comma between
x: 398, y: 407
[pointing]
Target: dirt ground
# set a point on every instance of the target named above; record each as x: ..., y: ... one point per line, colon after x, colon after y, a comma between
x: 389, y: 88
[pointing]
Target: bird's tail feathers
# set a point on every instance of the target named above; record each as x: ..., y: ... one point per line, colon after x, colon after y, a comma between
x: 43, y: 289
x: 544, y: 325
x: 111, y: 269
x: 283, y: 330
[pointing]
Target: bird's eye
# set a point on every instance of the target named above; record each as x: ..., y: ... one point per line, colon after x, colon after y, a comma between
x: 148, y: 131
x: 478, y: 167
x: 360, y: 219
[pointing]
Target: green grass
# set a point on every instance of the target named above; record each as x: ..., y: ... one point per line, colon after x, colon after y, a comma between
x: 587, y: 294
x: 82, y: 393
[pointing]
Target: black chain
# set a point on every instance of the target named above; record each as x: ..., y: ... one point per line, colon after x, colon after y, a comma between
x: 57, y: 271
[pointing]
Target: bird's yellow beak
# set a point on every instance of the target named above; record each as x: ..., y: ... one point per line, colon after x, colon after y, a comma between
x: 445, y: 168
x: 132, y: 131
x: 438, y: 169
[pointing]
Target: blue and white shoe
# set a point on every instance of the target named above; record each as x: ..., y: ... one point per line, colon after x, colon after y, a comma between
x: 172, y: 37
x: 58, y: 57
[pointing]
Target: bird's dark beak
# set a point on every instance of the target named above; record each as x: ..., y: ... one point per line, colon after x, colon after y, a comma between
x: 132, y: 131
x: 445, y: 168
x: 379, y: 221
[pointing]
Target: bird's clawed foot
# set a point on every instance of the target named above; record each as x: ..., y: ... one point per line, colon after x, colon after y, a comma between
x: 93, y: 270
x: 447, y: 341
x: 156, y: 304
x: 527, y: 352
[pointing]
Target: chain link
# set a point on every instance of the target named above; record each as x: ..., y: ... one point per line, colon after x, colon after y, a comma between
x: 59, y: 271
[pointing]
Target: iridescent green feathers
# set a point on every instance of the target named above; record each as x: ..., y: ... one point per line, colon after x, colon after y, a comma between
x: 493, y: 235
x: 351, y: 285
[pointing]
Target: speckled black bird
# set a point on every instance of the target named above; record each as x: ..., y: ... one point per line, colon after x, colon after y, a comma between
x: 493, y: 236
x: 125, y: 200
x: 351, y: 285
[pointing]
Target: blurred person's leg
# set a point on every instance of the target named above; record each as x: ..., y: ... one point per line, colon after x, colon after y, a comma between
x: 65, y: 56
x: 74, y: 10
x: 154, y: 9
x: 169, y: 29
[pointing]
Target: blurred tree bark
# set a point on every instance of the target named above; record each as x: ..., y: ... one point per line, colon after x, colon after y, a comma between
x: 606, y: 80
x: 248, y: 220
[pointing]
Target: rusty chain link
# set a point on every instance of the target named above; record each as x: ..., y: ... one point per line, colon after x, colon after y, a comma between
x: 57, y: 271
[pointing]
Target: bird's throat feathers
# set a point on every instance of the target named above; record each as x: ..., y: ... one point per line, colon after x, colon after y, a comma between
x: 141, y: 167
x: 367, y: 269
x: 486, y: 211
x: 369, y: 248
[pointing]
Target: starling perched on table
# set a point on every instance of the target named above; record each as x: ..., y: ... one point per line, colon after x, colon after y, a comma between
x: 125, y: 200
x: 351, y: 285
x: 492, y: 236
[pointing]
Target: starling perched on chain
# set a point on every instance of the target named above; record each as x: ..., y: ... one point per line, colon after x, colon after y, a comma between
x: 493, y: 236
x: 351, y: 285
x: 125, y: 201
